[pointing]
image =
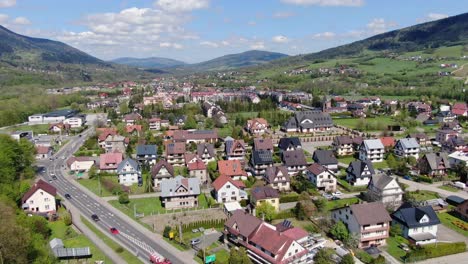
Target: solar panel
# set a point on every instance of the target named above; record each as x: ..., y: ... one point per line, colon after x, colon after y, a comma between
x: 287, y: 223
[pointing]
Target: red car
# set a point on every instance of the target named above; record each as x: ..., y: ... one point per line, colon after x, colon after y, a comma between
x: 114, y: 231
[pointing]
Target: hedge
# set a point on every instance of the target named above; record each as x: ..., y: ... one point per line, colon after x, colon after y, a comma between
x: 435, y: 250
x: 289, y: 198
x: 284, y: 214
x: 424, y: 179
x: 212, y: 223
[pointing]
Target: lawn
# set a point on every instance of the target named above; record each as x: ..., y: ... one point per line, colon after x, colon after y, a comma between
x: 449, y: 221
x: 148, y: 206
x: 393, y: 249
x: 93, y: 186
x: 366, y: 124
x: 72, y: 239
x: 420, y: 195
x: 346, y: 159
x: 37, y: 129
x: 449, y: 188
x: 380, y: 165
x: 341, y: 203
x: 348, y: 187
x: 125, y: 254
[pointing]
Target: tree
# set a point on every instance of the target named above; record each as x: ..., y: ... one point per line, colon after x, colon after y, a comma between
x: 123, y: 198
x: 395, y: 230
x: 167, y: 230
x: 324, y: 256
x: 339, y: 231
x: 299, y: 212
x: 266, y: 211
x: 209, y: 123
x: 190, y: 122
x: 347, y: 259
x: 321, y: 204
x: 239, y: 256
x: 92, y: 172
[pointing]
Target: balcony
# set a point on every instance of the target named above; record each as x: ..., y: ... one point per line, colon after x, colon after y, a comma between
x: 370, y: 238
x: 375, y: 228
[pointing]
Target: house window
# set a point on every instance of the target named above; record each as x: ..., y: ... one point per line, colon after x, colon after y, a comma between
x: 46, y: 199
x: 228, y: 186
x: 46, y: 207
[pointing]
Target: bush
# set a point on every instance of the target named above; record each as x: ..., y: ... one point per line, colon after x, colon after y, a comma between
x: 123, y: 198
x: 423, y: 179
x: 67, y: 219
x: 167, y: 230
x: 364, y: 256
x: 284, y: 214
x: 289, y: 198
x: 435, y: 250
x: 244, y: 203
x: 379, y: 260
x: 119, y: 250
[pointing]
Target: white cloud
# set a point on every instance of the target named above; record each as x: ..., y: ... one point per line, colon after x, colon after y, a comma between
x: 209, y: 44
x: 259, y: 45
x: 7, y: 3
x: 182, y: 5
x: 432, y: 17
x: 324, y: 35
x: 280, y: 39
x: 225, y: 43
x: 21, y: 21
x: 170, y: 45
x: 283, y: 14
x: 325, y: 2
x: 379, y: 25
x: 3, y: 18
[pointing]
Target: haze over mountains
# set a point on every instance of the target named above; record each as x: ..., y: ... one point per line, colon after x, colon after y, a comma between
x: 149, y: 63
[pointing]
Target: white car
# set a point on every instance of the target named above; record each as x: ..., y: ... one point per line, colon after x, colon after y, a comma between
x: 337, y: 193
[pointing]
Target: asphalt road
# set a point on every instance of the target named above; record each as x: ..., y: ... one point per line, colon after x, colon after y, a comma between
x: 138, y: 242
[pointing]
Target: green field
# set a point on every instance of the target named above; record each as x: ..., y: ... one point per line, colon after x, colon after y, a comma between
x: 449, y: 188
x: 149, y: 206
x: 346, y: 160
x: 341, y: 203
x: 393, y: 247
x: 93, y: 186
x: 366, y: 124
x: 37, y: 129
x: 422, y: 195
x: 125, y: 254
x: 448, y: 220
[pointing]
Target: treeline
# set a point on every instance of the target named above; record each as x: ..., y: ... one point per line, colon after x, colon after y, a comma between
x: 17, y: 109
x: 237, y: 106
x: 23, y: 239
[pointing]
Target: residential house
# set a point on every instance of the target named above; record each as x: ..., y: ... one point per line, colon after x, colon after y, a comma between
x: 454, y: 144
x: 359, y: 172
x: 206, y: 152
x: 357, y: 141
x: 198, y: 170
x: 103, y: 134
x: 372, y: 149
x: 40, y: 198
x: 180, y: 120
x: 196, y: 136
x: 227, y: 190
x: 321, y: 177
x: 326, y: 158
x: 134, y: 130
x: 308, y: 121
x: 460, y: 109
x: 158, y: 124
x: 422, y: 139
x: 74, y: 122
x: 407, y: 147
x: 115, y: 143
x: 132, y: 118
x: 370, y: 222
x: 434, y: 164
x: 418, y: 224
x: 385, y: 189
x: 278, y: 178
x: 288, y: 144
x: 263, y: 144
x: 343, y: 145
x: 80, y: 164
x: 175, y: 153
x: 266, y: 243
x: 459, y: 157
x: 163, y: 170
x: 215, y: 112
x: 129, y: 172
x: 235, y: 149
x: 59, y: 128
x: 147, y: 154
x: 294, y: 160
x: 462, y: 210
x: 180, y: 192
x: 257, y: 126
x: 110, y: 161
x: 388, y: 142
x: 442, y: 135
x: 43, y: 152
x: 445, y: 117
x: 265, y: 194
x: 232, y: 169
x: 260, y: 161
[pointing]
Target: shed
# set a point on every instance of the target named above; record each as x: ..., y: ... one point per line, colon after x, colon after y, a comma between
x: 454, y: 200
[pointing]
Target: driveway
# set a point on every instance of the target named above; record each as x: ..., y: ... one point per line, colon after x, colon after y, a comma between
x: 446, y: 234
x: 432, y: 187
x: 207, y: 240
x: 311, y: 146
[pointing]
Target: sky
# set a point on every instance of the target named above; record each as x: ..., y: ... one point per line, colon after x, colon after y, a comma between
x: 199, y: 30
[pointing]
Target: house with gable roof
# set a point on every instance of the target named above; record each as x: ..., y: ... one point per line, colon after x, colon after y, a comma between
x: 434, y: 164
x: 235, y: 149
x: 80, y: 164
x: 407, y: 147
x: 265, y: 194
x: 343, y: 145
x: 175, y: 153
x: 197, y: 169
x: 260, y: 161
x: 418, y: 224
x: 289, y: 143
x: 161, y: 171
x: 228, y: 190
x: 278, y: 178
x: 147, y: 154
x: 359, y: 172
x: 384, y: 188
x: 206, y: 152
x: 180, y: 192
x: 295, y: 161
x: 321, y: 177
x: 326, y: 158
x: 372, y: 149
x: 257, y: 126
x: 40, y: 198
x: 460, y: 109
x: 232, y: 169
x: 129, y: 172
x: 308, y: 121
x: 110, y: 161
x: 263, y: 144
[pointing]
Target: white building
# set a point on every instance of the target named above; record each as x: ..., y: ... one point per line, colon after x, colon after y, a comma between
x: 321, y: 177
x: 40, y: 198
x: 74, y: 122
x: 372, y: 149
x: 228, y: 190
x: 385, y: 189
x: 359, y: 172
x: 129, y: 172
x: 418, y: 224
x: 407, y: 147
x: 80, y: 164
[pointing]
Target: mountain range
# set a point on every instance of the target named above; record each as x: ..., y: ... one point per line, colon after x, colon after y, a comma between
x: 149, y: 63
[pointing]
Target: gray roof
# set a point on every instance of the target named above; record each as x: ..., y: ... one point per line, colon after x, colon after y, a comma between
x: 246, y: 223
x: 260, y: 157
x: 272, y: 172
x: 284, y: 143
x: 411, y: 217
x: 373, y: 144
x: 317, y: 119
x: 131, y: 162
x: 146, y: 150
x: 156, y: 168
x: 294, y: 158
x: 408, y: 143
x: 380, y: 180
x: 169, y: 187
x: 434, y: 159
x: 205, y: 146
x: 324, y: 157
x: 264, y: 192
x: 343, y: 140
x: 263, y: 143
x: 356, y: 168
x: 370, y: 213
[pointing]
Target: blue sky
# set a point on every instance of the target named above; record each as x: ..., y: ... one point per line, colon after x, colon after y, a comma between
x: 197, y: 30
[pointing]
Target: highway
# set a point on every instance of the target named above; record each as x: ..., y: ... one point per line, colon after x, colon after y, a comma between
x: 138, y: 242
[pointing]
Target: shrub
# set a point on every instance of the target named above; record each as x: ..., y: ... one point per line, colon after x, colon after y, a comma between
x: 289, y: 198
x: 364, y: 256
x: 123, y: 198
x: 67, y: 219
x: 119, y: 250
x: 167, y: 230
x: 424, y: 179
x: 284, y: 214
x: 435, y: 250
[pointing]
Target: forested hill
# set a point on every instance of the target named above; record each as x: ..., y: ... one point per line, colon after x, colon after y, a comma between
x: 149, y: 63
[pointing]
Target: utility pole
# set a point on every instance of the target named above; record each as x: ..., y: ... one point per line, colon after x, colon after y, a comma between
x: 134, y: 210
x: 99, y: 185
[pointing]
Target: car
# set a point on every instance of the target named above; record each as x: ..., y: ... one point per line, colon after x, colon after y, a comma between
x: 54, y: 177
x: 337, y: 193
x: 334, y: 198
x: 407, y: 177
x: 95, y: 217
x: 195, y: 241
x: 79, y: 135
x: 404, y: 247
x: 67, y: 196
x: 327, y: 196
x: 114, y: 231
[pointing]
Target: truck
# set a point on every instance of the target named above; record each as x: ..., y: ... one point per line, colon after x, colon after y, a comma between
x: 157, y: 259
